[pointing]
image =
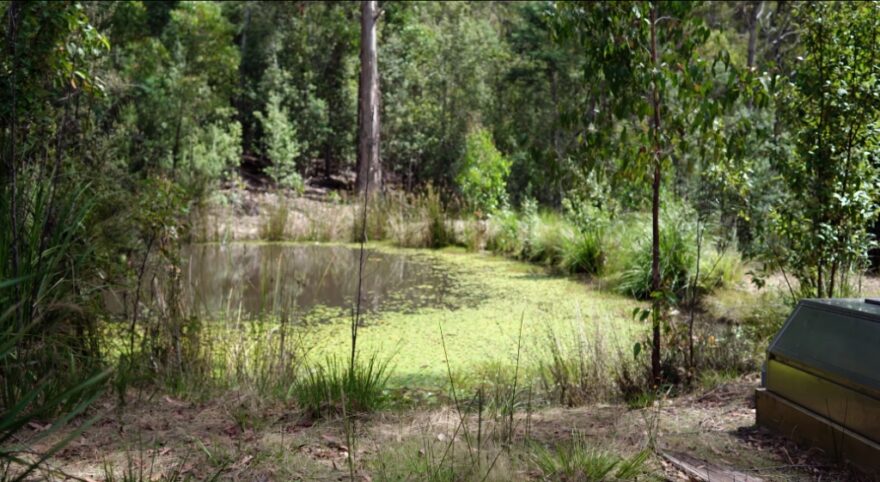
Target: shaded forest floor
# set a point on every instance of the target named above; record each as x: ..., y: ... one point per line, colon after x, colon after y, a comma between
x: 237, y: 437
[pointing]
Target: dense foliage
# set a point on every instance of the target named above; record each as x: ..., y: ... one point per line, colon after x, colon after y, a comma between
x: 627, y: 140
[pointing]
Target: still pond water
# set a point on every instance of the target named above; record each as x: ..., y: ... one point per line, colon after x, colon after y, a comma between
x: 316, y: 281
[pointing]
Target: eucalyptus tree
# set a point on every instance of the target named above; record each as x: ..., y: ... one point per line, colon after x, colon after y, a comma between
x: 831, y: 104
x: 661, y: 96
x: 369, y: 168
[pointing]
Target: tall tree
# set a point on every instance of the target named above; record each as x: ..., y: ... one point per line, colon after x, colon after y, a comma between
x: 657, y: 154
x: 369, y: 169
x: 833, y: 105
x: 649, y: 54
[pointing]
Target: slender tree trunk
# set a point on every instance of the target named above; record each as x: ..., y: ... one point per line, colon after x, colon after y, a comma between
x: 694, y: 287
x: 175, y: 152
x: 369, y: 172
x: 655, y: 207
x: 832, y: 279
x: 12, y: 41
x: 757, y: 7
x: 241, y: 100
x: 557, y: 136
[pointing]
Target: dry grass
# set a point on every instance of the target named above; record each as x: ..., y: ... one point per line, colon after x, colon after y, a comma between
x: 242, y: 437
x: 241, y: 215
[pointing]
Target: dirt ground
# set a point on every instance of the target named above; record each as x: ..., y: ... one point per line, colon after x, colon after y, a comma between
x: 239, y: 438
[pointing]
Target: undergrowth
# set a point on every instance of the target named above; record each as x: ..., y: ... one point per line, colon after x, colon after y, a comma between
x: 335, y: 388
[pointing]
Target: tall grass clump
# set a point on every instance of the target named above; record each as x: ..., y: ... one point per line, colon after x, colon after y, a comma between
x: 504, y: 234
x: 255, y: 356
x: 562, y: 242
x: 275, y: 227
x: 584, y: 253
x: 579, y: 367
x: 575, y: 460
x: 628, y: 266
x: 418, y: 220
x: 333, y: 387
x: 50, y: 366
x: 548, y: 237
x: 677, y: 257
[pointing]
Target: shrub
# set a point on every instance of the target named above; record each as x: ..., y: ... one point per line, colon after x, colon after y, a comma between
x: 215, y: 148
x: 331, y: 387
x: 280, y: 143
x: 482, y: 176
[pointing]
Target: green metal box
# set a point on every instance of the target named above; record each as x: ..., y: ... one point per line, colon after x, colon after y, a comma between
x: 822, y: 379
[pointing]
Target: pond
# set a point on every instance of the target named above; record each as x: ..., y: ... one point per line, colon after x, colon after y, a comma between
x: 428, y: 310
x: 318, y: 282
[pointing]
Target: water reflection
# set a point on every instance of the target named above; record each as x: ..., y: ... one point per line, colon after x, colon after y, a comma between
x: 318, y: 280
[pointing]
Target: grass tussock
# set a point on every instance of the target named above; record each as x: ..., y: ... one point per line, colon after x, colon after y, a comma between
x: 579, y: 365
x: 618, y: 251
x: 427, y: 457
x: 584, y: 253
x: 275, y: 226
x: 335, y: 388
x: 417, y: 220
x: 50, y: 365
x: 577, y: 461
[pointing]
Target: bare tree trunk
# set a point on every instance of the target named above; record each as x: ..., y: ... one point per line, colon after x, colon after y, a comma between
x: 655, y: 208
x: 757, y: 7
x: 832, y: 279
x: 694, y: 287
x: 369, y: 169
x: 557, y: 137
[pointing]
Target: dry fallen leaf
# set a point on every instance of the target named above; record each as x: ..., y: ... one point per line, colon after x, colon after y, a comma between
x: 173, y: 402
x: 38, y: 427
x: 334, y: 443
x: 243, y: 462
